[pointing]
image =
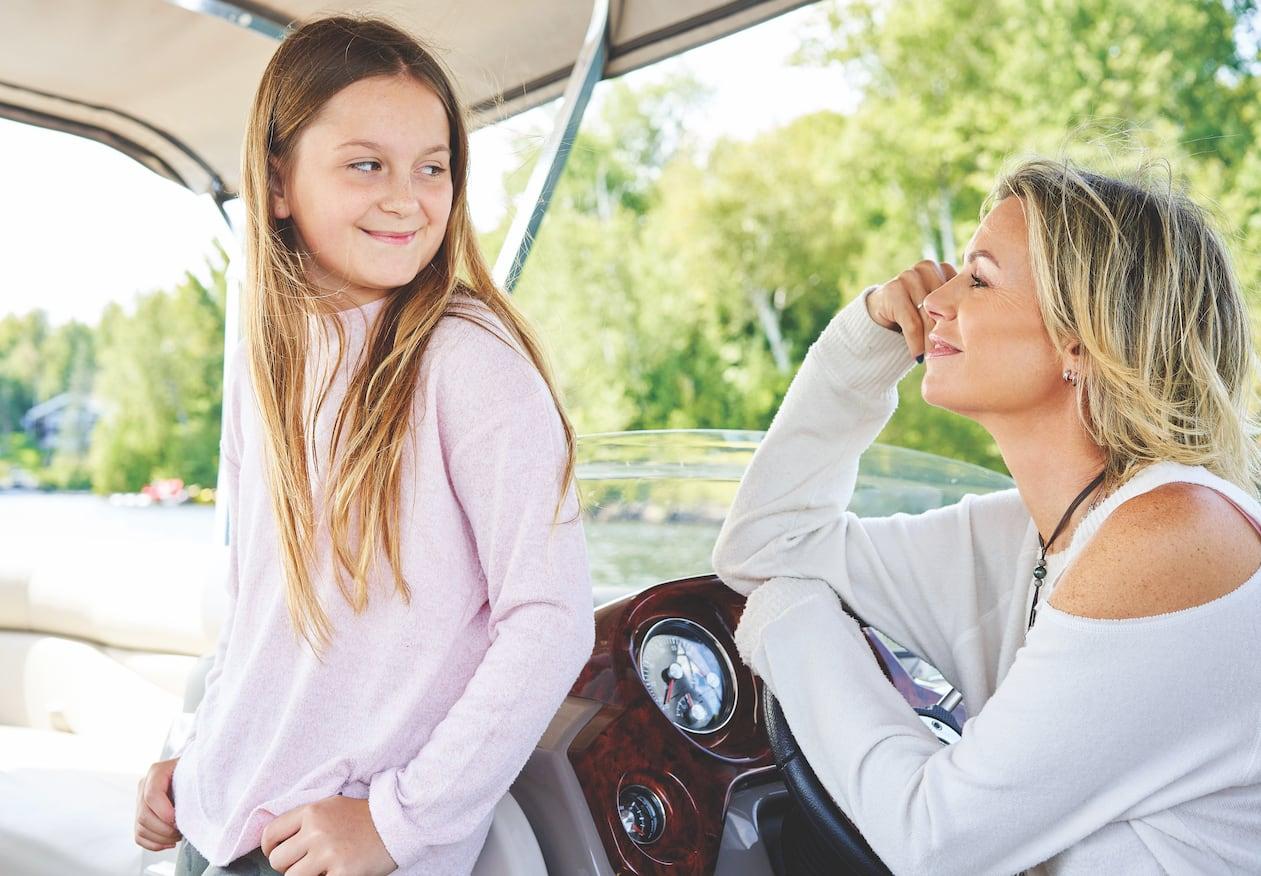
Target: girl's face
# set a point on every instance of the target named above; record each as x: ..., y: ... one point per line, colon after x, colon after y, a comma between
x: 990, y: 353
x: 369, y: 187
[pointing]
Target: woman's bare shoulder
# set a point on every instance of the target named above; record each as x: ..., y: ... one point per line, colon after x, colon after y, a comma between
x: 1175, y: 547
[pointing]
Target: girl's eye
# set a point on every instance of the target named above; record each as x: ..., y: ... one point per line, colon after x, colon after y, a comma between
x: 367, y: 162
x: 977, y: 281
x: 433, y: 170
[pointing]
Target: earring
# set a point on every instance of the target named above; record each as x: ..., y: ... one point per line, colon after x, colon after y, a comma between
x: 1070, y: 377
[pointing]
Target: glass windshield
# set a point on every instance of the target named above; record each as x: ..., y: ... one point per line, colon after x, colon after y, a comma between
x: 653, y: 502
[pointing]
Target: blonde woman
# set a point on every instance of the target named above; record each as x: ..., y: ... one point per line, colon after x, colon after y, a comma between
x: 1102, y: 620
x: 410, y: 599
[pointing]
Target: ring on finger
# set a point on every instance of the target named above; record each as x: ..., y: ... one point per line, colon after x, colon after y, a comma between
x: 920, y: 306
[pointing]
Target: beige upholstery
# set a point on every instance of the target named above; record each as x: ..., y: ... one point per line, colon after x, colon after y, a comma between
x: 55, y: 683
x: 96, y: 653
x: 96, y: 647
x: 69, y: 805
x: 165, y: 598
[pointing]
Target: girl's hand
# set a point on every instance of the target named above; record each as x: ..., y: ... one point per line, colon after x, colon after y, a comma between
x: 155, y: 809
x: 334, y: 836
x: 896, y: 304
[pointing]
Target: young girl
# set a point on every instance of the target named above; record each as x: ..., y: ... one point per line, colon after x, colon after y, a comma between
x: 409, y: 594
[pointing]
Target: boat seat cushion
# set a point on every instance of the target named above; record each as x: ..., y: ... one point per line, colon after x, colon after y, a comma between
x: 165, y: 597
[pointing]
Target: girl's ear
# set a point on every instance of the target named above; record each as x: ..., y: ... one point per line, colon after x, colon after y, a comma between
x: 276, y: 192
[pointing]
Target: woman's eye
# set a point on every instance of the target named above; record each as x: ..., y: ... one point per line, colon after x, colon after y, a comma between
x: 372, y: 162
x: 977, y: 281
x: 434, y: 170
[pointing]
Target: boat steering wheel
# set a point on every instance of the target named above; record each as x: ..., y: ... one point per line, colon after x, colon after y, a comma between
x: 830, y: 823
x: 838, y: 833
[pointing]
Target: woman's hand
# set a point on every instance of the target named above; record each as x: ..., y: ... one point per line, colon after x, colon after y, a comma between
x: 334, y: 836
x: 155, y: 809
x: 897, y: 304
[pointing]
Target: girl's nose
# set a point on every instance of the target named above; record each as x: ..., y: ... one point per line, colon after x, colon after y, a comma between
x: 401, y: 200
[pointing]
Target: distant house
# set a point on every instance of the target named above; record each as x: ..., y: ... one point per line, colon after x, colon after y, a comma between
x: 64, y: 422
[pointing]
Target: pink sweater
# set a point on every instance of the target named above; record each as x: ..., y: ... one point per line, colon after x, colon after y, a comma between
x: 430, y: 710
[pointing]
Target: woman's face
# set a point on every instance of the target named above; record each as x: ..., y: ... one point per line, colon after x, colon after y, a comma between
x: 369, y: 187
x: 989, y: 354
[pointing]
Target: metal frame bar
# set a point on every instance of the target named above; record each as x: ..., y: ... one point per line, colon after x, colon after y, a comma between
x: 588, y: 70
x: 251, y: 16
x: 231, y: 334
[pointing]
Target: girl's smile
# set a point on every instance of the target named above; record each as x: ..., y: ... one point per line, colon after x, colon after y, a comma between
x: 392, y: 238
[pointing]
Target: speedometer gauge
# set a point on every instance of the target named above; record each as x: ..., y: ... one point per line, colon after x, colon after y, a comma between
x: 688, y: 675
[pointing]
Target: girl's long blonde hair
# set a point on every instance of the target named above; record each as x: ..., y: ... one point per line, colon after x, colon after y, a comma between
x: 314, y: 63
x: 1132, y: 270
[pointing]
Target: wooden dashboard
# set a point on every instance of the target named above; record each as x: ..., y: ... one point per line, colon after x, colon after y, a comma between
x: 631, y: 741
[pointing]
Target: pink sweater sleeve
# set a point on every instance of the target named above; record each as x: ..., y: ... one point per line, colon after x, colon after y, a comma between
x: 505, y: 452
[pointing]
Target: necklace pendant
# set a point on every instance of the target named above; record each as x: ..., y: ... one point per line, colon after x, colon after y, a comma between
x: 1039, y: 571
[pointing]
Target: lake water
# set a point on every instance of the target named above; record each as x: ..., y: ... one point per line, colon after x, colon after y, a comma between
x: 625, y: 555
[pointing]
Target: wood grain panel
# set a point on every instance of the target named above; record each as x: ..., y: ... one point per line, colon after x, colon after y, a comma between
x: 632, y: 742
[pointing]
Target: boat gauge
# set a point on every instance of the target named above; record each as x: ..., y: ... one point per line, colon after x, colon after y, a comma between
x: 642, y: 813
x: 688, y: 675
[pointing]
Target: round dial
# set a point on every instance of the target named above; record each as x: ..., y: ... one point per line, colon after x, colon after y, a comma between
x: 642, y: 815
x: 688, y: 675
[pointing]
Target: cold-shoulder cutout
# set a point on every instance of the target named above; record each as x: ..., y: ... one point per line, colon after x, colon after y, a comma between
x: 1175, y: 547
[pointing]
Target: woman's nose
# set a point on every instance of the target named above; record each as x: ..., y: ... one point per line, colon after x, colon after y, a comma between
x: 940, y: 303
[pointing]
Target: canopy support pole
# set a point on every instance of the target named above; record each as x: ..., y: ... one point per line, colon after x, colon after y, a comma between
x: 249, y: 15
x: 231, y: 335
x: 588, y: 70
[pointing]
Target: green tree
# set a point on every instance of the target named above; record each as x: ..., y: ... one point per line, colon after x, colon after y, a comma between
x: 681, y: 287
x: 160, y: 383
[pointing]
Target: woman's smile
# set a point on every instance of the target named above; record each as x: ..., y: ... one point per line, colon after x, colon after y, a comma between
x: 940, y: 348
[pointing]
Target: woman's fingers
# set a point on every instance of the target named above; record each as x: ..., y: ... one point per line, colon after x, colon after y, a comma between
x: 930, y: 276
x: 917, y: 282
x: 912, y: 327
x: 898, y: 304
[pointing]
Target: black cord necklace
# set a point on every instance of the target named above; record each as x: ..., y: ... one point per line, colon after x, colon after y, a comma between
x: 1039, y: 571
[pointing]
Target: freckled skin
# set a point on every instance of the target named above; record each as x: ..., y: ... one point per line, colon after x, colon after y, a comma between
x: 1178, y: 546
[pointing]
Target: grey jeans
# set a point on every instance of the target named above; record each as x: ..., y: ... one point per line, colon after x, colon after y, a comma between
x: 189, y: 862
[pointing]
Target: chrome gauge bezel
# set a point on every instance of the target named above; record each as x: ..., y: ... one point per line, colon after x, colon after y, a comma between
x: 654, y: 801
x: 712, y: 642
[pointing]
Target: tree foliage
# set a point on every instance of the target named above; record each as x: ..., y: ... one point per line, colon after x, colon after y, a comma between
x: 679, y: 283
x: 692, y: 304
x: 160, y: 384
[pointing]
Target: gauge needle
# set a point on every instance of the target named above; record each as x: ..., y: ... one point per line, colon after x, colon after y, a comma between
x: 669, y: 690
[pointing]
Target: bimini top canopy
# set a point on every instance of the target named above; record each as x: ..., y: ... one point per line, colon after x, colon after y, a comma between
x: 170, y: 83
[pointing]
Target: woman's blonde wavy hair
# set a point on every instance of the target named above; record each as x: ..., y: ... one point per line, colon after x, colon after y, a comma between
x: 1132, y: 269
x: 312, y: 64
